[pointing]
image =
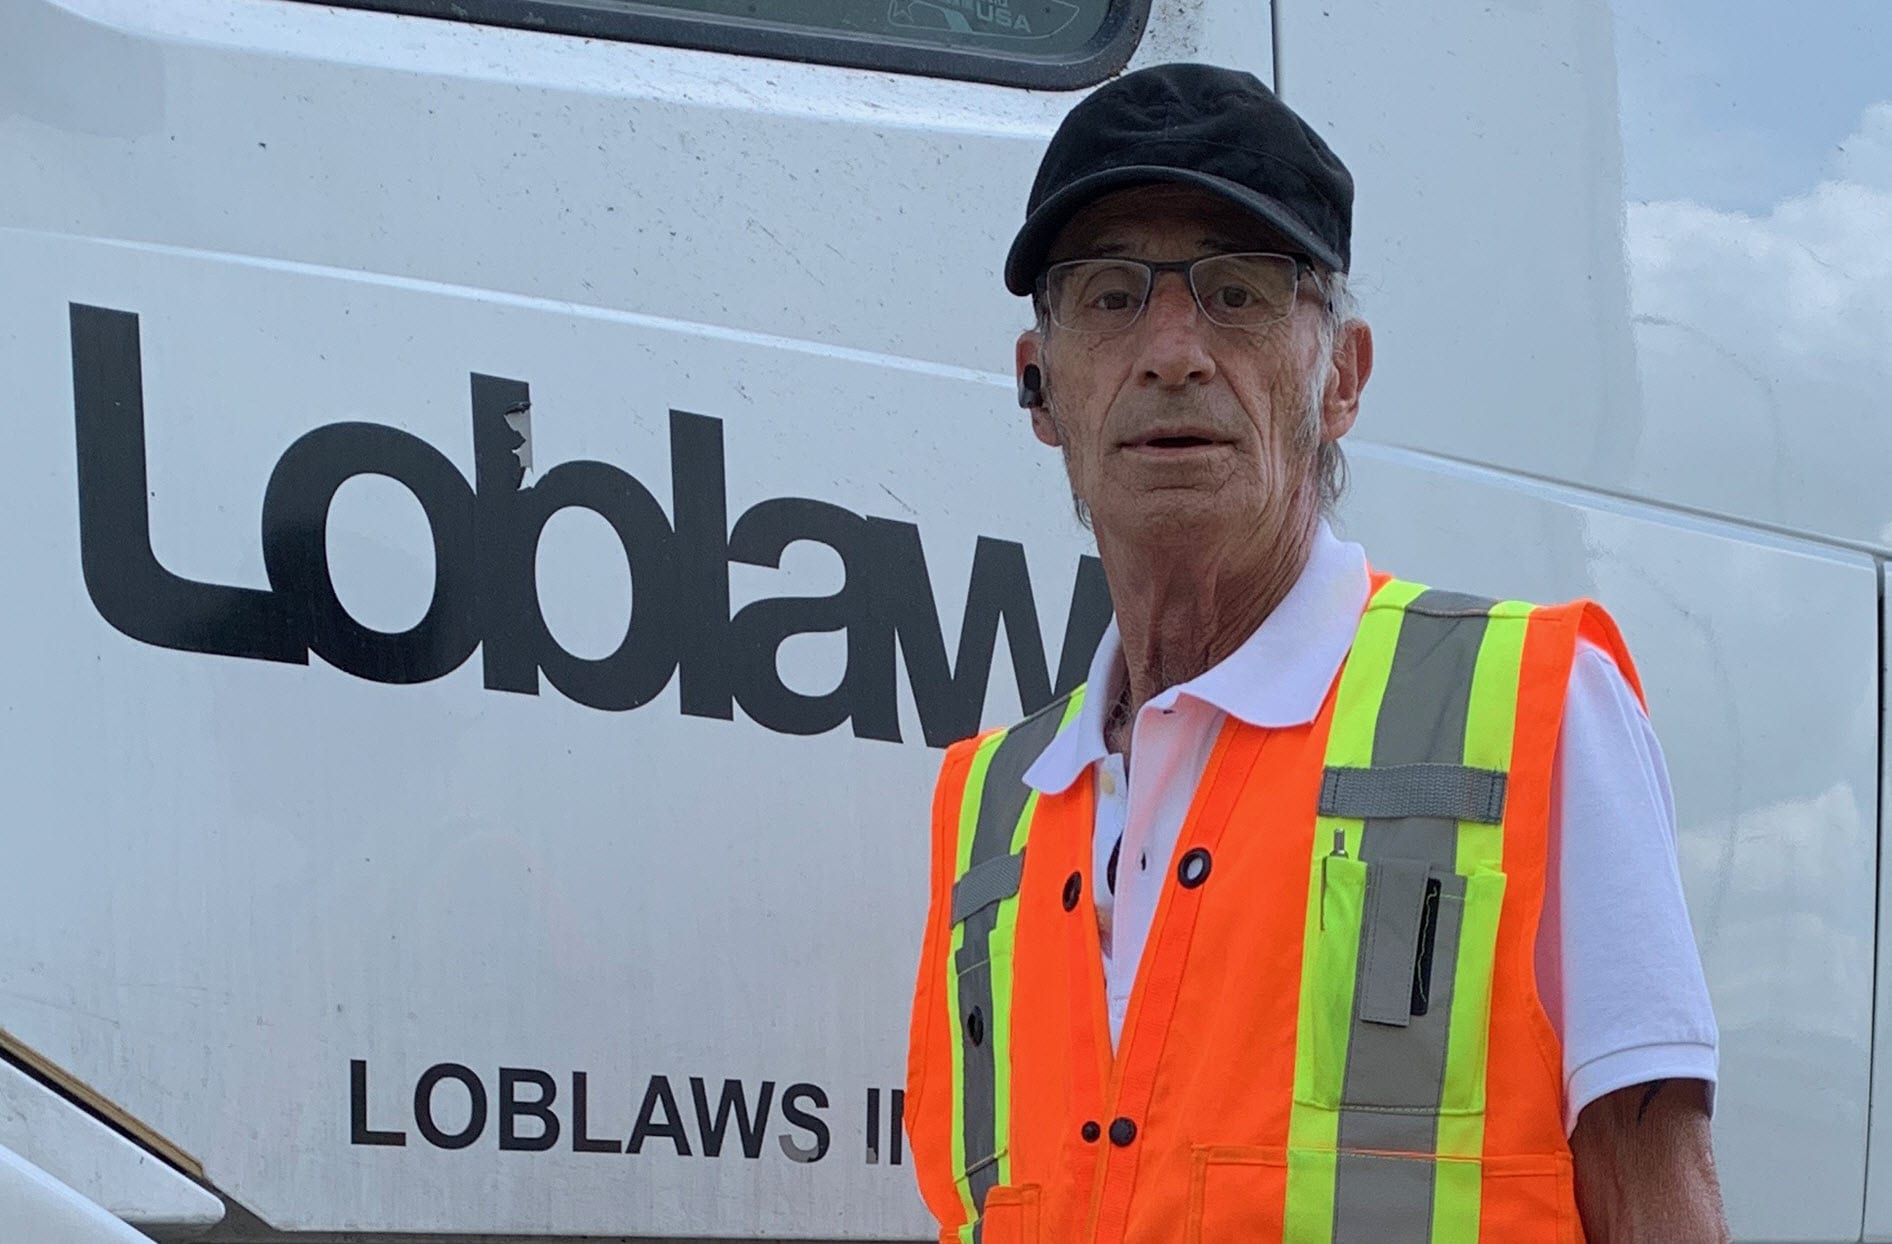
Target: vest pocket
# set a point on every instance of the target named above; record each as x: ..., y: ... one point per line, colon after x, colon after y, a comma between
x: 1480, y: 905
x: 1398, y: 1012
x: 1382, y: 1197
x: 1240, y: 1193
x: 1236, y: 1192
x: 1011, y: 1215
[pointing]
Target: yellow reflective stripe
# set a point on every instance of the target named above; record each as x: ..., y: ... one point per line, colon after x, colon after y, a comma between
x: 1320, y: 1053
x: 1363, y: 681
x: 971, y: 797
x: 1313, y: 1131
x: 1490, y: 727
x: 969, y: 801
x: 1362, y: 689
x: 1455, y: 1198
x: 1309, y: 1214
x: 1004, y: 937
x: 1491, y: 721
x: 1457, y: 1189
x: 1471, y: 1014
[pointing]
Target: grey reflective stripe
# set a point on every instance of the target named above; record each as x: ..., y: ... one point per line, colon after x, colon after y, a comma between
x: 1458, y: 792
x: 1422, y: 717
x: 1004, y: 795
x: 1436, y: 604
x: 1383, y: 1191
x: 1395, y: 1075
x: 979, y: 1089
x: 987, y: 883
x: 1002, y: 800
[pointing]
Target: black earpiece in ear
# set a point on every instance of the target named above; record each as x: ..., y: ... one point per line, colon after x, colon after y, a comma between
x: 1031, y: 387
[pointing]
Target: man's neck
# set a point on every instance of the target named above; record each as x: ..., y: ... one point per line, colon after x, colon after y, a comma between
x: 1179, y: 615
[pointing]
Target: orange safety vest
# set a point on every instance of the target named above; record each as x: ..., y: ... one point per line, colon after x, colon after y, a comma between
x: 1335, y: 1032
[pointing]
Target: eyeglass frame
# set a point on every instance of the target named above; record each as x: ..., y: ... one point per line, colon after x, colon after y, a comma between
x: 1185, y: 267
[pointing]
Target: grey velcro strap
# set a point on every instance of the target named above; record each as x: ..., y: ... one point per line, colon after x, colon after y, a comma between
x: 1387, y: 792
x: 987, y: 883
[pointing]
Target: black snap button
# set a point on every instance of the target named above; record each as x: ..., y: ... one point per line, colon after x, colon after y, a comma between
x: 1194, y: 868
x: 1122, y: 1132
x: 1073, y: 890
x: 1090, y: 1132
x: 975, y: 1026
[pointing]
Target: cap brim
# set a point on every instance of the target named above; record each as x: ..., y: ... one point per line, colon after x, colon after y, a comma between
x: 1033, y: 243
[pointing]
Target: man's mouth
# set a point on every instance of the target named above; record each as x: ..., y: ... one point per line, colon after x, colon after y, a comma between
x: 1174, y: 440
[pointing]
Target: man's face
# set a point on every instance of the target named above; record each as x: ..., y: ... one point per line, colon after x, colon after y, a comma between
x: 1178, y: 429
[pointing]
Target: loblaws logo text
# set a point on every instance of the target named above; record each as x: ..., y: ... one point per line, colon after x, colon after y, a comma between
x: 486, y: 536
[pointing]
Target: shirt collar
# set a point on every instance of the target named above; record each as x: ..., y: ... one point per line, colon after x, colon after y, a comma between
x: 1277, y: 678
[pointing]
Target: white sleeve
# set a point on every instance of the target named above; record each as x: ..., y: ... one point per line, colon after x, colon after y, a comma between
x: 1617, y: 965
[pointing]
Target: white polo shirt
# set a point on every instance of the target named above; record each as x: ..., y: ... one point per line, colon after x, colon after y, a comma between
x: 1617, y: 966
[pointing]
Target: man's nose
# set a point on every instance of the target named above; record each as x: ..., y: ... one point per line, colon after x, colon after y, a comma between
x: 1173, y: 350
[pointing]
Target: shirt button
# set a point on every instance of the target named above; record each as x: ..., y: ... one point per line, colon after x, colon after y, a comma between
x: 1090, y: 1132
x: 1109, y: 783
x: 1122, y: 1132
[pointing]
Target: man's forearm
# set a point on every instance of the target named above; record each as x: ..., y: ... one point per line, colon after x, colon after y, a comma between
x: 1645, y: 1167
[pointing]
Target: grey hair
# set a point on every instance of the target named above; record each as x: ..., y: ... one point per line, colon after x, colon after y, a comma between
x: 1340, y: 308
x: 1330, y: 461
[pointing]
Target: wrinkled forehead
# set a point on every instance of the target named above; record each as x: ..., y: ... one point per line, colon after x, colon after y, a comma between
x: 1143, y: 220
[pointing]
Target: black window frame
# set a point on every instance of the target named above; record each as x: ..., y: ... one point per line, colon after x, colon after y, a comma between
x: 1109, y: 50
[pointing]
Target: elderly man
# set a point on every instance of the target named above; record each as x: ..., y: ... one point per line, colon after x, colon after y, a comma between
x: 1331, y: 908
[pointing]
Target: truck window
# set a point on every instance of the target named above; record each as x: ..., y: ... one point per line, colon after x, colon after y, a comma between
x: 1044, y: 44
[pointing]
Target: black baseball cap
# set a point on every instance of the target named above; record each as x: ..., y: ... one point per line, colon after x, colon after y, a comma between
x: 1199, y: 125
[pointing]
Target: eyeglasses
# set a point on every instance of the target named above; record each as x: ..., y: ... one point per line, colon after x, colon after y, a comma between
x: 1248, y: 290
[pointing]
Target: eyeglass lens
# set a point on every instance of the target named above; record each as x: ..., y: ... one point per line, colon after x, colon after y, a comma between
x: 1107, y: 295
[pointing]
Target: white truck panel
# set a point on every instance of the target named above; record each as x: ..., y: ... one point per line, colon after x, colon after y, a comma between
x: 1752, y: 650
x: 253, y: 875
x: 1488, y: 236
x: 97, y: 1163
x: 847, y: 206
x: 35, y: 1206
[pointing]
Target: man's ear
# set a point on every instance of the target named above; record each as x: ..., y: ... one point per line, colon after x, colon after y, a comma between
x: 1030, y: 367
x: 1346, y: 380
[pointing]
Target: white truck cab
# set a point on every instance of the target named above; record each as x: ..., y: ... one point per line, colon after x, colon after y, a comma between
x: 507, y: 498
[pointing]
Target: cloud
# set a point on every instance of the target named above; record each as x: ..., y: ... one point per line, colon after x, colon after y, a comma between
x: 1866, y: 157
